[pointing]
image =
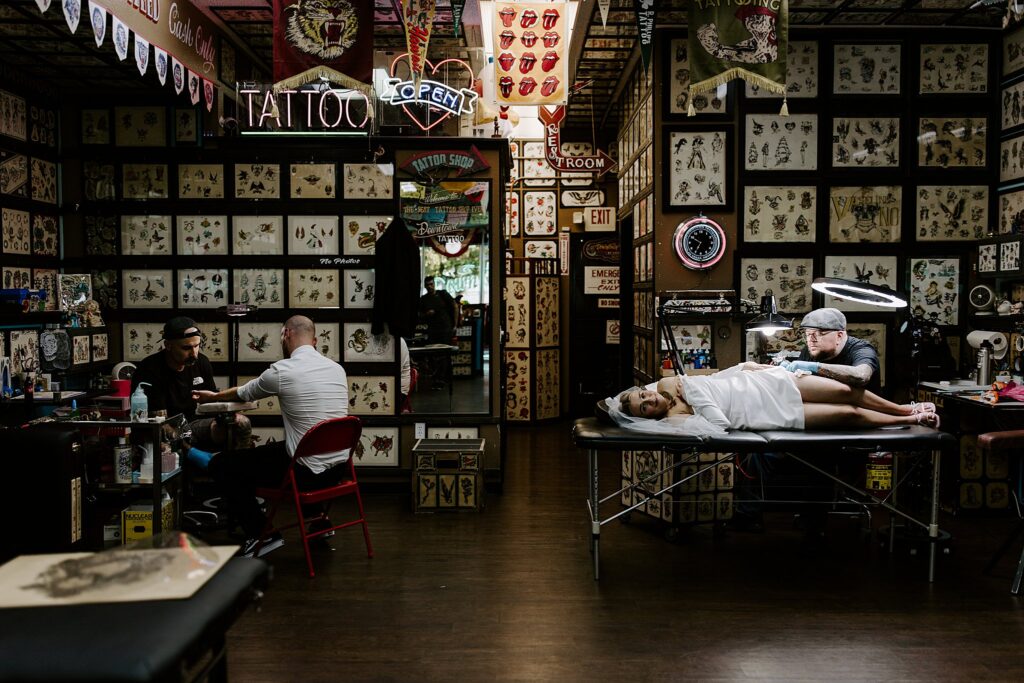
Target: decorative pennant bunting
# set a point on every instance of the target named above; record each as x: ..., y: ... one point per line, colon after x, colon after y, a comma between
x: 738, y: 39
x: 340, y: 50
x: 645, y: 14
x: 177, y: 75
x: 120, y: 38
x: 208, y: 94
x: 43, y: 5
x: 193, y: 87
x: 530, y: 39
x: 604, y: 6
x: 160, y: 62
x: 72, y: 13
x: 141, y: 54
x: 98, y: 19
x: 457, y: 7
x: 418, y: 17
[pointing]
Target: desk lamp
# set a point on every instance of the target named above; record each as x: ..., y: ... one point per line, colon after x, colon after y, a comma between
x: 769, y: 321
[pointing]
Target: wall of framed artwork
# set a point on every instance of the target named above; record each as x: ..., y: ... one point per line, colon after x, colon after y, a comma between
x: 698, y: 163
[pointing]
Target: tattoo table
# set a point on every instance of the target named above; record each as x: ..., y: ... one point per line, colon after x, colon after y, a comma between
x: 803, y: 446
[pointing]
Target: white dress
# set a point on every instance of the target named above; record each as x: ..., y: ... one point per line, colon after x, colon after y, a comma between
x: 746, y: 399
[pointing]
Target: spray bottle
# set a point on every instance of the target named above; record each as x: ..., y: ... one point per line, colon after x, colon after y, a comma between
x: 140, y: 404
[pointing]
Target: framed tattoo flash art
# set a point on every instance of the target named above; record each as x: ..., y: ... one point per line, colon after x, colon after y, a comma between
x: 988, y: 258
x: 95, y: 126
x: 865, y: 214
x: 865, y: 142
x: 1013, y: 51
x: 951, y: 212
x: 776, y: 213
x: 540, y: 249
x: 255, y: 235
x: 1012, y: 110
x: 801, y: 72
x: 362, y: 346
x: 16, y: 231
x: 257, y: 181
x: 369, y: 181
x: 699, y: 169
x: 935, y: 289
x: 678, y: 78
x: 202, y: 288
x: 358, y: 288
x: 1011, y: 159
x: 377, y: 447
x: 140, y: 127
x: 873, y: 270
x: 259, y: 342
x: 45, y: 235
x: 141, y: 340
x: 954, y: 69
x: 44, y: 181
x: 952, y: 143
x: 371, y: 395
x: 328, y: 343
x: 312, y: 181
x: 1011, y: 212
x: 312, y: 235
x: 314, y: 288
x: 539, y: 213
x: 259, y: 287
x: 100, y: 348
x: 80, y: 349
x: 866, y: 70
x: 361, y: 232
x: 788, y: 279
x: 1009, y: 256
x: 200, y: 181
x: 215, y: 342
x: 186, y: 126
x: 147, y: 288
x: 145, y: 235
x: 144, y: 181
x: 202, y: 235
x: 781, y: 143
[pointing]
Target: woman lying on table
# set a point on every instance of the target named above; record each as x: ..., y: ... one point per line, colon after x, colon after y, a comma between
x: 755, y: 397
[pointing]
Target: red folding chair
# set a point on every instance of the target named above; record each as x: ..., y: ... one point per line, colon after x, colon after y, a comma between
x: 328, y: 436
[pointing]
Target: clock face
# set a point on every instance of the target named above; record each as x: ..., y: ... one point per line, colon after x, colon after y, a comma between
x: 699, y: 243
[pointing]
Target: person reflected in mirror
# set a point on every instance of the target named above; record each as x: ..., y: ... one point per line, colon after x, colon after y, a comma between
x: 437, y: 310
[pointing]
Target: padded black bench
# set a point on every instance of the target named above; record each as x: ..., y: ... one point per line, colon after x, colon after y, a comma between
x: 157, y: 640
x: 595, y: 435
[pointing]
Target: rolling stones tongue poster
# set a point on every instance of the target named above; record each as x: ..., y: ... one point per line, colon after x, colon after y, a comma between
x: 530, y: 40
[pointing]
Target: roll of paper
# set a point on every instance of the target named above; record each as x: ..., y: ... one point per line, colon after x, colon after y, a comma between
x: 1020, y: 343
x: 996, y: 339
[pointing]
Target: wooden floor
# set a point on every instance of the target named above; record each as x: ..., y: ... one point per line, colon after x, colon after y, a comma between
x: 509, y: 595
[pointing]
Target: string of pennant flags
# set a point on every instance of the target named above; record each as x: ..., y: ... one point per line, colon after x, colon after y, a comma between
x: 122, y: 35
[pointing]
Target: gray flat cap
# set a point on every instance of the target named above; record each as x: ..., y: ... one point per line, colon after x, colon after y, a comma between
x: 825, y: 319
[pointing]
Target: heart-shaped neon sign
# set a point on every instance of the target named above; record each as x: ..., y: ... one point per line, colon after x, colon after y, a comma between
x: 438, y: 96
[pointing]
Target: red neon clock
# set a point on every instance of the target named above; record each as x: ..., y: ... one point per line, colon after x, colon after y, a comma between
x: 699, y: 243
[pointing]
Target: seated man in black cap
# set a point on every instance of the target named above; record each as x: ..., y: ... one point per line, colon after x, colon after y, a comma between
x: 174, y: 373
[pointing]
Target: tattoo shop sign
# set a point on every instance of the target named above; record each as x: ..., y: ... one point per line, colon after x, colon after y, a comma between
x: 335, y: 110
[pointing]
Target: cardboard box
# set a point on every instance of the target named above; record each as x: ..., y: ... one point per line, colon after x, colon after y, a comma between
x: 137, y: 521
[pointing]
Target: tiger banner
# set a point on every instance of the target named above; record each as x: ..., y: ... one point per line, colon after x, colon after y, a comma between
x: 330, y: 39
x: 738, y: 39
x: 418, y: 17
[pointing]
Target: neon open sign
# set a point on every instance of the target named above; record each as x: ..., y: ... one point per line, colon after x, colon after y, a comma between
x: 452, y: 100
x: 332, y: 110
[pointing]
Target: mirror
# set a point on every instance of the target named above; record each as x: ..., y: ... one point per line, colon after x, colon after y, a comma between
x: 451, y: 349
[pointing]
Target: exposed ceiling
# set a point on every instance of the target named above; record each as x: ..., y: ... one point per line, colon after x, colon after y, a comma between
x: 39, y: 49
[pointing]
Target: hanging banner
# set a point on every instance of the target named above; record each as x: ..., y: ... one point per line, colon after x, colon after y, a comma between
x: 309, y: 44
x: 193, y: 87
x: 531, y: 40
x: 737, y: 39
x: 645, y: 14
x: 72, y: 13
x: 457, y: 7
x: 43, y: 5
x: 177, y: 75
x: 160, y: 62
x: 98, y: 19
x: 418, y: 17
x: 603, y: 6
x: 208, y: 92
x: 141, y: 54
x: 121, y: 35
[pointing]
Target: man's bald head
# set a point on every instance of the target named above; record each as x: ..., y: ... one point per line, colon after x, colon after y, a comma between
x: 298, y: 331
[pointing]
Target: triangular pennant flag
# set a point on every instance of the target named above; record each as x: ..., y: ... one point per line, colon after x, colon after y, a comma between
x: 98, y: 19
x: 141, y: 54
x: 43, y: 5
x: 72, y: 13
x: 457, y: 7
x: 193, y: 87
x: 177, y: 75
x: 120, y: 38
x: 645, y: 15
x: 208, y: 94
x: 418, y: 18
x: 604, y: 6
x: 160, y: 62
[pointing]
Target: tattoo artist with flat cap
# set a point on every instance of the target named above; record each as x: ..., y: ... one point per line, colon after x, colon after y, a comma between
x: 832, y: 353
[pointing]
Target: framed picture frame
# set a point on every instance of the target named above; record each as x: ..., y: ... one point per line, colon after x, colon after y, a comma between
x: 95, y: 126
x: 780, y: 143
x: 1013, y: 52
x: 202, y: 288
x: 49, y: 279
x: 1012, y: 107
x: 708, y: 106
x: 44, y: 181
x: 359, y: 288
x: 16, y: 277
x: 140, y: 127
x: 262, y: 287
x: 935, y: 289
x: 259, y: 342
x: 201, y: 235
x: 80, y: 349
x: 24, y: 350
x: 257, y: 181
x: 540, y: 213
x: 866, y: 69
x: 144, y: 181
x: 13, y: 118
x: 216, y: 339
x: 313, y: 181
x: 1011, y: 159
x: 145, y: 235
x: 140, y: 340
x: 186, y: 126
x: 377, y: 447
x: 257, y: 235
x: 99, y: 182
x: 371, y: 395
x: 988, y: 258
x: 801, y: 73
x: 360, y: 233
x: 309, y: 235
x: 952, y: 142
x: 313, y: 288
x: 540, y: 248
x: 328, y: 340
x: 872, y: 270
x: 45, y: 235
x: 789, y: 279
x: 698, y: 168
x: 1011, y: 212
x: 779, y: 213
x: 369, y: 181
x: 866, y: 142
x: 953, y: 69
x: 865, y: 214
x: 100, y: 347
x: 362, y: 346
x: 952, y: 213
x: 200, y: 181
x: 1009, y: 256
x: 17, y: 231
x: 14, y: 179
x: 147, y: 288
x: 874, y: 334
x: 512, y: 219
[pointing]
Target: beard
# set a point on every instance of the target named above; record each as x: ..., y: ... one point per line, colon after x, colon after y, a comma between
x: 190, y: 361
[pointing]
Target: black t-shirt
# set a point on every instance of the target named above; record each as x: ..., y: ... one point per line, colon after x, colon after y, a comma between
x: 170, y: 390
x: 856, y: 352
x: 440, y: 326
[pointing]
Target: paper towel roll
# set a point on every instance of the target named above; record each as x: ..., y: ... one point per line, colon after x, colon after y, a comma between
x: 1020, y: 342
x: 996, y: 339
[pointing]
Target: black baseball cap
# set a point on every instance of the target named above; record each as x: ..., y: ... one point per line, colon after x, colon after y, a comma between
x: 178, y: 328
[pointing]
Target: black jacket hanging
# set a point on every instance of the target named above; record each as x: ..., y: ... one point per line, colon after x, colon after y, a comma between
x: 397, y: 281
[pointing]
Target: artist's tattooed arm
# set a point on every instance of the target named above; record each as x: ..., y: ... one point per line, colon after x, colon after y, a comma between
x: 854, y: 375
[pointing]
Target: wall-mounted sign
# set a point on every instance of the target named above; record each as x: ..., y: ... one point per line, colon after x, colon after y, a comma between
x: 340, y: 111
x: 611, y: 331
x: 600, y: 164
x: 438, y: 98
x: 601, y: 280
x: 575, y: 198
x: 530, y: 65
x: 437, y: 164
x: 607, y: 303
x: 448, y: 214
x: 599, y: 219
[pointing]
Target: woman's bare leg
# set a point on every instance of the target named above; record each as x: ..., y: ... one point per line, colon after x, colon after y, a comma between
x: 837, y: 415
x: 814, y: 389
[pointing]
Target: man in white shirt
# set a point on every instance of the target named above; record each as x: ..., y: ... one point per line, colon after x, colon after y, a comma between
x: 311, y: 389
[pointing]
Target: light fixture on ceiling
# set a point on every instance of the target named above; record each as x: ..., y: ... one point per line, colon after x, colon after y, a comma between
x: 769, y: 321
x: 861, y: 292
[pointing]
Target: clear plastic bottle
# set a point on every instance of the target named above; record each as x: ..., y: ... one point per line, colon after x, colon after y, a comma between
x: 140, y: 404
